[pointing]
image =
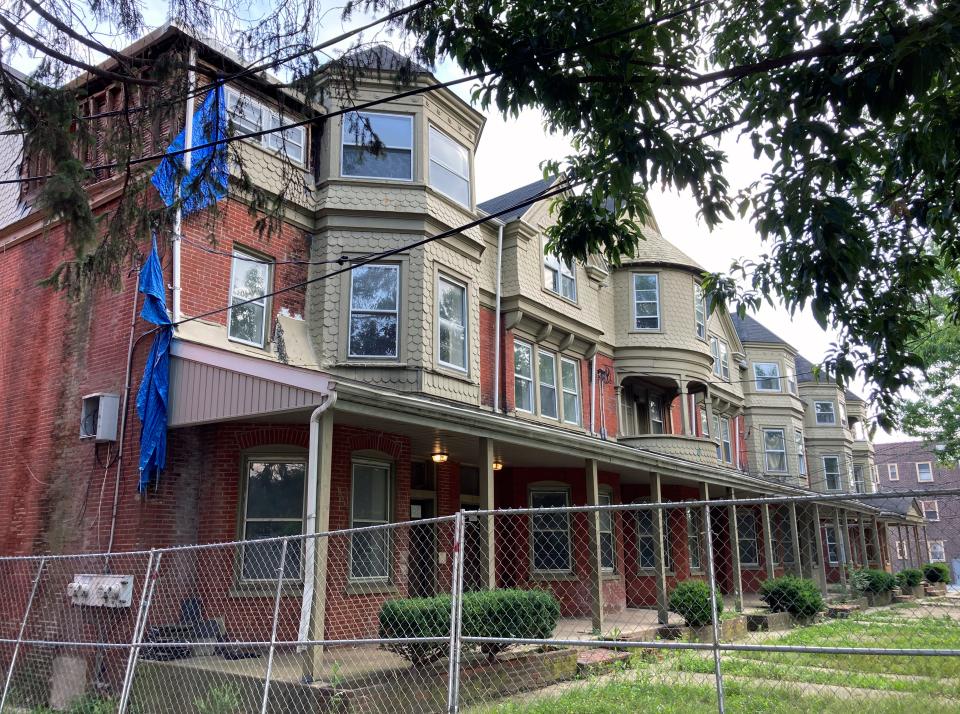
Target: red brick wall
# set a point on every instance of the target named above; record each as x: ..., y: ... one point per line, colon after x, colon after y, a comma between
x: 488, y: 332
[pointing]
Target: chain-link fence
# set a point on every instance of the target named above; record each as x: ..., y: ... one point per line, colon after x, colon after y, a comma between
x: 779, y: 604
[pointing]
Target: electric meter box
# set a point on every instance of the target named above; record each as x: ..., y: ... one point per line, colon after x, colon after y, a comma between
x: 98, y: 417
x: 101, y: 590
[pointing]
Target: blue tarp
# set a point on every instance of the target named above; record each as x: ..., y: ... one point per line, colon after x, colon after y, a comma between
x: 154, y: 388
x: 207, y: 181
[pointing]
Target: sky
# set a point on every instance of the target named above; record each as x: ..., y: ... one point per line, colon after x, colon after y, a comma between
x: 509, y: 156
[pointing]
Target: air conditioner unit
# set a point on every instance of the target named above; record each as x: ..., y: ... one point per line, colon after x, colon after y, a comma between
x: 98, y: 417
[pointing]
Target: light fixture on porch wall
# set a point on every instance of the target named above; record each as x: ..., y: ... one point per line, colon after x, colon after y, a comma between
x: 497, y: 465
x: 439, y: 457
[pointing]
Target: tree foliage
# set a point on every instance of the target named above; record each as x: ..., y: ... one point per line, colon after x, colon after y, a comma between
x: 854, y: 103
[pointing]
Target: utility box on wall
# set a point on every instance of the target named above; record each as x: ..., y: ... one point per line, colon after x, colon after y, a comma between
x: 101, y: 590
x: 98, y: 417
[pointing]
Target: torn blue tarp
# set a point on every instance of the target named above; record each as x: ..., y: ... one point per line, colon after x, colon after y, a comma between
x: 207, y: 181
x: 154, y: 388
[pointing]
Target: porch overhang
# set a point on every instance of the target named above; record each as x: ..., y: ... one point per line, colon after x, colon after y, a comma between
x: 208, y: 385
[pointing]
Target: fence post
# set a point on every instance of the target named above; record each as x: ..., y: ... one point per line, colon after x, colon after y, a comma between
x: 273, y: 630
x: 23, y: 628
x: 714, y: 616
x: 456, y: 609
x: 149, y: 583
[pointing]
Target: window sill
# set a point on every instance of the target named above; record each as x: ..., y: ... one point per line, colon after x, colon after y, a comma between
x: 610, y: 576
x: 640, y: 331
x: 553, y: 576
x: 265, y: 589
x: 558, y: 296
x: 461, y: 375
x: 372, y: 588
x: 388, y: 362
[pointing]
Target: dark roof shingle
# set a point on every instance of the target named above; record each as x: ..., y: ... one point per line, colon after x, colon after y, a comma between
x: 504, y: 201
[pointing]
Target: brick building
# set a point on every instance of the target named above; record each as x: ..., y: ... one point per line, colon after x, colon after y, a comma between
x: 913, y: 466
x: 414, y: 386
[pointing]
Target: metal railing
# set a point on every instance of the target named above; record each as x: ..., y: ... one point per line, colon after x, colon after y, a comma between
x: 470, y: 609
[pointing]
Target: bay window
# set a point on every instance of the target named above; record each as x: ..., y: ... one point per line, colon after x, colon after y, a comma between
x: 831, y: 473
x: 449, y: 167
x: 523, y: 376
x: 825, y: 414
x: 700, y: 312
x: 452, y: 323
x: 775, y: 450
x: 767, y: 376
x: 646, y: 301
x: 394, y: 136
x: 547, y: 380
x: 374, y: 310
x: 559, y: 276
x: 570, y: 380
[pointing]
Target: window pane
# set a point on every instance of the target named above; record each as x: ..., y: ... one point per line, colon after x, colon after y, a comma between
x: 448, y: 152
x: 551, y: 550
x: 447, y: 182
x: 395, y: 132
x: 523, y: 360
x: 249, y: 278
x: 548, y: 499
x: 246, y: 323
x: 373, y: 336
x: 452, y: 328
x: 262, y: 561
x: 370, y: 554
x: 275, y: 490
x: 371, y: 493
x: 375, y: 287
x: 390, y: 163
x: 548, y: 384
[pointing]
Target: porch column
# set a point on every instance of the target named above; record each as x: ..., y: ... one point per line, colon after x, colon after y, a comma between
x: 877, y: 549
x: 863, y: 541
x: 767, y: 540
x: 318, y: 609
x: 593, y: 530
x: 916, y: 545
x: 821, y: 567
x: 685, y: 423
x: 842, y: 554
x: 487, y: 539
x: 795, y: 540
x: 659, y: 556
x: 735, y: 552
x: 906, y: 550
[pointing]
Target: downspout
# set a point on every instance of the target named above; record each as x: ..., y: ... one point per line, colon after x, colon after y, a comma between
x: 310, y: 524
x: 496, y: 337
x: 187, y: 161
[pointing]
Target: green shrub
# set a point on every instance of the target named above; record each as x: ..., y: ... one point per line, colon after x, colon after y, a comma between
x: 516, y: 614
x: 798, y: 596
x: 691, y: 600
x: 223, y: 699
x: 873, y: 581
x: 909, y: 577
x: 936, y: 573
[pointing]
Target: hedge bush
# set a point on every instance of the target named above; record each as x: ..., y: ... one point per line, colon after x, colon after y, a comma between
x: 936, y: 573
x: 798, y: 596
x: 691, y: 600
x: 520, y: 614
x: 873, y: 581
x: 909, y: 577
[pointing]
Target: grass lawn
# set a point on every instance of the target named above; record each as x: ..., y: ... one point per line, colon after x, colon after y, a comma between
x: 773, y: 682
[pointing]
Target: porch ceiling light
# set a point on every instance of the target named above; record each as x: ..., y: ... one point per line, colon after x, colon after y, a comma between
x: 497, y: 465
x: 440, y: 457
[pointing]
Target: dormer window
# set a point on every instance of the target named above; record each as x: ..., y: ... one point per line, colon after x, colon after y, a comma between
x: 646, y: 301
x: 449, y: 167
x: 395, y: 132
x: 248, y: 116
x: 559, y: 277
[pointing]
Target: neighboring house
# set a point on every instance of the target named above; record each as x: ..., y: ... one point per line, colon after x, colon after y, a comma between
x: 612, y: 384
x: 912, y: 466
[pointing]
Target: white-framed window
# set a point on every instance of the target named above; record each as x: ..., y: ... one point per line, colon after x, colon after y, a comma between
x: 695, y: 538
x: 570, y: 382
x: 724, y: 360
x: 550, y: 532
x: 784, y: 535
x: 374, y: 310
x: 452, y: 323
x: 747, y: 538
x: 931, y: 510
x: 801, y: 452
x: 655, y: 406
x: 924, y: 472
x: 725, y: 443
x: 843, y: 414
x: 248, y: 115
x: 875, y: 475
x: 859, y: 431
x: 547, y: 381
x: 523, y: 376
x: 395, y: 135
x: 824, y: 413
x: 767, y: 376
x: 608, y: 552
x: 833, y: 552
x: 700, y: 311
x: 704, y: 422
x: 249, y: 283
x: 274, y: 488
x: 893, y: 472
x: 791, y: 380
x: 647, y: 542
x: 858, y: 482
x: 559, y: 276
x: 370, y: 500
x: 775, y: 450
x: 937, y: 552
x: 901, y: 550
x: 646, y: 301
x: 831, y: 473
x: 449, y: 167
